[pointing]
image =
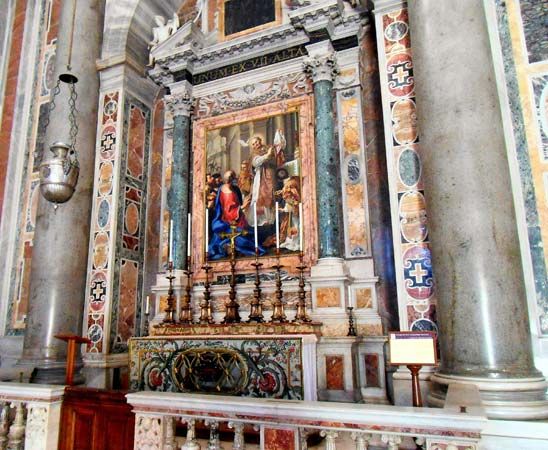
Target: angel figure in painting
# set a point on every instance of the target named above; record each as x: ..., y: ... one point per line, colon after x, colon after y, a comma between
x: 228, y: 211
x: 161, y: 32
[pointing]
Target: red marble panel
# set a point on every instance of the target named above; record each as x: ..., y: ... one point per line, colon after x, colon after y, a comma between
x: 136, y: 142
x: 278, y: 439
x: 129, y: 277
x: 11, y: 91
x: 154, y: 201
x: 334, y: 372
x: 372, y: 370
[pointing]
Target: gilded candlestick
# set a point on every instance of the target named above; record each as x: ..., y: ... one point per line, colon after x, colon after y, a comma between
x: 205, y: 305
x: 185, y: 317
x: 301, y: 316
x: 278, y: 314
x: 170, y: 310
x: 351, y: 329
x: 256, y: 311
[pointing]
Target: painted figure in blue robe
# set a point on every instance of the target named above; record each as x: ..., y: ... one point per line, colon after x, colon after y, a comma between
x: 228, y: 212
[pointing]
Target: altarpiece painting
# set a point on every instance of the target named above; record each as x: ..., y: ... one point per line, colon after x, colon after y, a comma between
x: 245, y: 164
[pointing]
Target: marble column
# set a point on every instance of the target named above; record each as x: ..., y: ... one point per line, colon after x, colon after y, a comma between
x: 482, y: 311
x: 58, y: 274
x: 180, y: 105
x: 322, y: 67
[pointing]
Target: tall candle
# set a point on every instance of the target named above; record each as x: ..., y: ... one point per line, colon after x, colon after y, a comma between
x: 255, y: 224
x: 170, y: 239
x: 277, y: 226
x: 300, y: 227
x: 206, y: 230
x: 147, y: 305
x: 188, y: 240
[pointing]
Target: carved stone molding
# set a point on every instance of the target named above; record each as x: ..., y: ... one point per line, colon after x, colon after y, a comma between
x: 321, y: 67
x: 179, y: 104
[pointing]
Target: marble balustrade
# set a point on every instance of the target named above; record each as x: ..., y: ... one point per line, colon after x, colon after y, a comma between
x: 287, y: 423
x: 30, y: 416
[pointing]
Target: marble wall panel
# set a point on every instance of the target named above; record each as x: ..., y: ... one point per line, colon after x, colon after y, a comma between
x: 415, y: 281
x: 534, y: 15
x: 328, y: 297
x: 334, y: 372
x: 378, y: 195
x: 350, y: 131
x: 372, y: 370
x: 129, y: 245
x: 154, y: 200
x: 40, y: 104
x: 278, y: 439
x: 103, y: 222
x: 521, y: 29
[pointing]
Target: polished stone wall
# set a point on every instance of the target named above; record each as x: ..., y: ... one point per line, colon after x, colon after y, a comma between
x: 522, y: 37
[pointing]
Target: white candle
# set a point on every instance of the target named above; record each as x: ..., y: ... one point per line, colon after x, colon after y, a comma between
x: 188, y: 235
x: 206, y: 229
x: 170, y: 239
x: 255, y: 225
x: 300, y: 227
x: 277, y: 227
x: 147, y: 305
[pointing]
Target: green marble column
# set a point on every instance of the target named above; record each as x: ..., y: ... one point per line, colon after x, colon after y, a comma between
x: 322, y: 70
x: 178, y: 195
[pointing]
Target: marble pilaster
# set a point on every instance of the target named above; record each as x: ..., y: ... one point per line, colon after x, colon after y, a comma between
x: 180, y: 105
x: 484, y: 329
x: 322, y: 67
x: 58, y: 274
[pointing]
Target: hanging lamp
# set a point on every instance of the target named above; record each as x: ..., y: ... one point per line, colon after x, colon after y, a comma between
x: 59, y: 175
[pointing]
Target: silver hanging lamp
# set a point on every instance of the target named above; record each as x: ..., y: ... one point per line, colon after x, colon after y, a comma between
x: 59, y: 175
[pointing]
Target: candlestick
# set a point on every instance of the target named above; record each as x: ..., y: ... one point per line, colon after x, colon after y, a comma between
x: 205, y: 304
x: 188, y: 235
x: 301, y: 227
x: 255, y: 225
x: 301, y: 316
x: 170, y: 240
x: 170, y: 310
x: 256, y: 310
x: 185, y: 317
x: 277, y: 227
x: 278, y: 313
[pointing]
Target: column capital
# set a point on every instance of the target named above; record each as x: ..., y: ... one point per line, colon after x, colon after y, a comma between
x: 180, y: 104
x: 321, y: 64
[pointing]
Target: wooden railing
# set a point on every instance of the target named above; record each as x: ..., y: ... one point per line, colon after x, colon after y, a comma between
x: 29, y: 416
x: 294, y: 424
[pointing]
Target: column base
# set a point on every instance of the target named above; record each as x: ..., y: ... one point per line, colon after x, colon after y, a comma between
x: 514, y: 398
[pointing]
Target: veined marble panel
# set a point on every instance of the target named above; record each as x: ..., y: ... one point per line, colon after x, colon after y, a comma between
x: 416, y: 293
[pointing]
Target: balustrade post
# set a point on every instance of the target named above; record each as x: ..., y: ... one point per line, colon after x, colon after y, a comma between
x: 191, y: 443
x: 148, y: 432
x: 17, y: 429
x: 239, y: 443
x: 303, y: 438
x: 214, y: 443
x: 169, y: 434
x: 392, y: 440
x: 4, y: 424
x: 361, y: 439
x: 330, y: 437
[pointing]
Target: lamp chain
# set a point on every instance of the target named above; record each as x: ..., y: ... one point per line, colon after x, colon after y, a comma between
x: 72, y: 117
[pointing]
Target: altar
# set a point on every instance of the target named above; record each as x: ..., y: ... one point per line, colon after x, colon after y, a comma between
x: 250, y: 360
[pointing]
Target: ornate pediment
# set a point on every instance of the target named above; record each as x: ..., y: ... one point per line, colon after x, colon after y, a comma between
x: 189, y: 51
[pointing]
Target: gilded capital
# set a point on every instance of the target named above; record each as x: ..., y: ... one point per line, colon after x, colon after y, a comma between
x: 179, y: 104
x: 321, y: 67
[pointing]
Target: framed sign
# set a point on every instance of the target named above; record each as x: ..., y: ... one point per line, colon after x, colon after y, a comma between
x: 413, y: 348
